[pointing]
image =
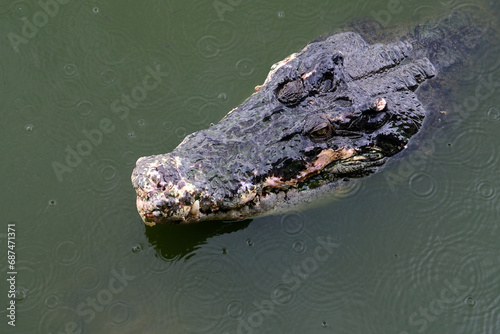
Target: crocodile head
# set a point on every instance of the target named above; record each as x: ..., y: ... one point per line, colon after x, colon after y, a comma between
x: 332, y: 112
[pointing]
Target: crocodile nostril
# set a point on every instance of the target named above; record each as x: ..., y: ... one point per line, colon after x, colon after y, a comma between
x: 160, y: 204
x: 374, y: 106
x: 379, y: 104
x: 169, y: 175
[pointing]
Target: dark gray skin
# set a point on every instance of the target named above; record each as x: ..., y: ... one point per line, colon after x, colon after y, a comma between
x: 335, y: 111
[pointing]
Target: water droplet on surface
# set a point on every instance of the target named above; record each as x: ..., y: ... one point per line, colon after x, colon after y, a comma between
x: 245, y: 67
x: 131, y: 135
x: 29, y: 129
x: 422, y: 185
x: 283, y: 294
x: 208, y: 46
x: 235, y: 309
x: 69, y: 70
x: 470, y: 301
x: 293, y: 223
x: 95, y: 10
x: 21, y: 294
x: 84, y: 108
x: 167, y: 126
x: 494, y: 114
x: 180, y: 132
x: 222, y: 97
x: 21, y: 10
x: 119, y: 314
x: 108, y: 76
x: 299, y: 246
x: 224, y: 250
x: 324, y: 324
x: 486, y: 190
x: 249, y: 242
x: 281, y: 14
x: 52, y: 301
x: 52, y: 202
x: 137, y: 248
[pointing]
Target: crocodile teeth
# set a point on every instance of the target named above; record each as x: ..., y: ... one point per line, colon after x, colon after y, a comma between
x: 195, y: 208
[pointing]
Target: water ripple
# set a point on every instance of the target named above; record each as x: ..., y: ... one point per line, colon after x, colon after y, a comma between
x: 268, y: 27
x: 473, y: 149
x: 161, y: 264
x: 266, y: 278
x: 106, y: 177
x: 205, y: 286
x: 452, y: 273
x: 210, y: 37
x: 224, y: 37
x: 494, y: 114
x: 332, y: 13
x: 235, y: 308
x: 119, y: 313
x: 487, y: 189
x: 28, y: 113
x: 246, y: 68
x: 154, y: 138
x: 35, y: 275
x: 423, y: 184
x: 335, y: 292
x: 22, y: 9
x: 31, y: 290
x: 84, y: 108
x: 450, y: 258
x: 67, y: 252
x: 88, y: 278
x: 207, y: 46
x: 60, y: 318
x: 293, y: 223
x: 201, y: 111
x: 68, y: 93
x: 430, y: 187
x: 52, y: 301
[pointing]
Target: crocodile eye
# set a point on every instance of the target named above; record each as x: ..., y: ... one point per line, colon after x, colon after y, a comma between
x: 321, y: 132
x: 319, y: 128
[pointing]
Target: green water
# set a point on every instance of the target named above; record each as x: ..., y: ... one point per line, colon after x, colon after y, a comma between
x: 95, y: 85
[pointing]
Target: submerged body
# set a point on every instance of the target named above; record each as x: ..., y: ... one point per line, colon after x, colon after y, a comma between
x: 336, y: 110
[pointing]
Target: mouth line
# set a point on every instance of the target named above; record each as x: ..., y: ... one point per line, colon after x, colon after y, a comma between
x: 260, y: 197
x: 322, y: 168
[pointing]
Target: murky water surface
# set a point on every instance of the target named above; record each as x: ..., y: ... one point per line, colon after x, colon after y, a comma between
x: 89, y: 86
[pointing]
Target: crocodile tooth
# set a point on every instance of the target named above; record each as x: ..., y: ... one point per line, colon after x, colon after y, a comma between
x: 195, y: 208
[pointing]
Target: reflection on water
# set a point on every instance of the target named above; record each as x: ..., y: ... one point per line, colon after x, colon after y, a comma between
x: 181, y: 242
x: 412, y: 249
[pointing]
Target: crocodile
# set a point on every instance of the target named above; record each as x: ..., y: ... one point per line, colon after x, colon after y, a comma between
x: 331, y: 113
